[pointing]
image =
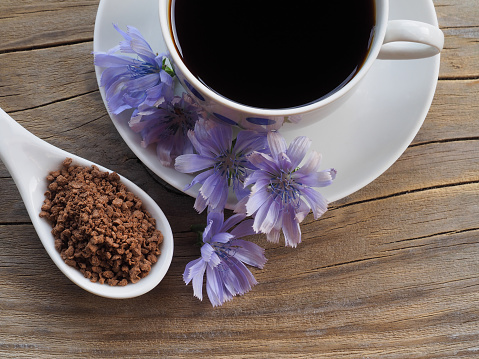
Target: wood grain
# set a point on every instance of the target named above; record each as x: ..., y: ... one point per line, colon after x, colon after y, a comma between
x: 38, y: 24
x: 391, y: 271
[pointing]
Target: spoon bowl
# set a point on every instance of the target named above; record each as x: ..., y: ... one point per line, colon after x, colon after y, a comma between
x: 29, y: 160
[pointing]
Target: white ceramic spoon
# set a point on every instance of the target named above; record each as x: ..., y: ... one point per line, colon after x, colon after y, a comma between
x: 29, y: 160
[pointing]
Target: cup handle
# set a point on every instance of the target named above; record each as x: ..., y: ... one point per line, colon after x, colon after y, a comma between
x: 408, y: 39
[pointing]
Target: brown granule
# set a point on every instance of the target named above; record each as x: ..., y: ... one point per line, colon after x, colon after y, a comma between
x: 99, y: 226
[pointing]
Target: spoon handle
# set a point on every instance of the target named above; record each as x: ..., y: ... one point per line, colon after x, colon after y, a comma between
x: 28, y: 159
x: 12, y: 138
x: 18, y: 147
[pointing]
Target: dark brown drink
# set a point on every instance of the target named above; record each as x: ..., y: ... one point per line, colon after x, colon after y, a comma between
x: 273, y: 53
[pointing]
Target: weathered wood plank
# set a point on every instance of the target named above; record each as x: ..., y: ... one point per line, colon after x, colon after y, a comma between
x: 12, y: 209
x: 453, y: 13
x: 458, y: 21
x: 459, y: 59
x: 31, y: 24
x: 36, y: 78
x: 453, y: 114
x: 359, y: 289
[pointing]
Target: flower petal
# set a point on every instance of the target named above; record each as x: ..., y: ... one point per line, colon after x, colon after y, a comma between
x: 257, y: 199
x: 163, y: 150
x: 291, y: 229
x: 222, y: 237
x: 247, y: 141
x: 200, y: 178
x: 215, y: 288
x: 191, y: 163
x: 195, y: 271
x: 244, y: 279
x: 142, y: 83
x: 256, y: 176
x: 232, y: 221
x: 209, y: 255
x: 220, y: 138
x: 276, y: 143
x: 317, y: 202
x: 215, y: 190
x: 273, y: 236
x: 240, y: 190
x: 285, y: 163
x: 273, y: 214
x: 212, y: 186
x: 215, y: 219
x: 302, y: 211
x: 110, y: 75
x: 243, y: 229
x: 312, y: 163
x: 241, y: 206
x: 298, y: 149
x: 135, y: 43
x: 200, y: 203
x: 315, y: 179
x: 220, y: 202
x: 260, y: 217
x: 249, y: 253
x: 264, y: 162
x: 110, y: 60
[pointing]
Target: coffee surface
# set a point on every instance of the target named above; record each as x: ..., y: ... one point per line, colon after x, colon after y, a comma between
x: 273, y: 53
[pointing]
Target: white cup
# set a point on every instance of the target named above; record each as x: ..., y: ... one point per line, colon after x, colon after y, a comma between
x: 395, y: 39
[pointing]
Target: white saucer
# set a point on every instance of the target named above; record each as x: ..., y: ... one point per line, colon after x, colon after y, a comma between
x: 361, y: 140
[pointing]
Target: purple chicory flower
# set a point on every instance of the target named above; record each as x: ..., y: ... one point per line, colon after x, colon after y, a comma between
x: 223, y: 259
x: 167, y: 124
x: 283, y: 194
x: 222, y: 162
x: 129, y: 81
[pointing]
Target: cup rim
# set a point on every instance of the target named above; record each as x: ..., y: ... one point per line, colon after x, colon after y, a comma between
x: 382, y: 10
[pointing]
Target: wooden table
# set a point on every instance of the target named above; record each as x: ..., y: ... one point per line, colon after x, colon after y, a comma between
x: 391, y: 271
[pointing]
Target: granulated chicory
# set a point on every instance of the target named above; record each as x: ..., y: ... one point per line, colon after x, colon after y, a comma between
x: 100, y: 227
